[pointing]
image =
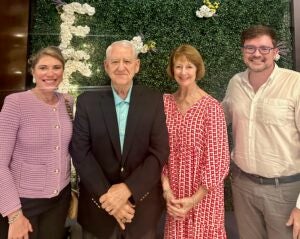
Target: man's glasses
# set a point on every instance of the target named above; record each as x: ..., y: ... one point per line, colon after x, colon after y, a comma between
x: 264, y: 50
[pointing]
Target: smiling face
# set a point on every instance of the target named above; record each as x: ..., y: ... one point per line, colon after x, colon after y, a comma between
x: 258, y: 62
x: 184, y: 72
x: 48, y: 73
x: 121, y: 65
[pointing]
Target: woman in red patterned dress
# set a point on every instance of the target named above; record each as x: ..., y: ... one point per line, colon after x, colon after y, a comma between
x: 193, y: 179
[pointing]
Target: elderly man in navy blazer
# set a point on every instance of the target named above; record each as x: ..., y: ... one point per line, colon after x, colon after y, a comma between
x: 119, y: 146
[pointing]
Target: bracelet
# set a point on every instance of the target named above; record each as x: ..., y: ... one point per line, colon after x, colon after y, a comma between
x: 14, y: 217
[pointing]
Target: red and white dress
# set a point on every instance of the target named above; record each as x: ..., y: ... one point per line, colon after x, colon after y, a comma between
x: 199, y: 155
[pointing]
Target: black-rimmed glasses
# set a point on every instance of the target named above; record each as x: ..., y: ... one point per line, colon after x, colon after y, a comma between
x: 264, y: 50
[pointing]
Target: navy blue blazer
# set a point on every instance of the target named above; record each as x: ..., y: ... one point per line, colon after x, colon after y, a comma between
x: 96, y: 153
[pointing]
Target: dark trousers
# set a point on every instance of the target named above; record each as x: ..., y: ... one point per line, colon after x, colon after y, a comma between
x: 49, y: 224
x: 3, y: 227
x: 118, y: 235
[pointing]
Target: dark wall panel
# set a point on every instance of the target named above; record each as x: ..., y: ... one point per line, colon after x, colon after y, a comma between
x: 14, y: 15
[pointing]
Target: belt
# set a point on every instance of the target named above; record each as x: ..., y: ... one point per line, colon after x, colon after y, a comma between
x: 271, y: 181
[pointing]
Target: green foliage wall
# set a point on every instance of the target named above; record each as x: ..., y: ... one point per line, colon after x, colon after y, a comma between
x: 169, y: 23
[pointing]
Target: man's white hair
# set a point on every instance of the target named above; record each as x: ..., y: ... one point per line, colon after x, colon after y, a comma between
x: 124, y: 43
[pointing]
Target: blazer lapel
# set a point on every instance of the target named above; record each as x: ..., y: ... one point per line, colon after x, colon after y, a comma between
x: 110, y: 117
x: 135, y: 109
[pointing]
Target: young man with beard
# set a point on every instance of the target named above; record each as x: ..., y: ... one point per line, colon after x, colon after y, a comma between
x: 263, y: 105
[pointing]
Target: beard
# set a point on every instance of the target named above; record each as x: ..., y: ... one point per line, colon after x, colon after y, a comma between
x: 257, y: 64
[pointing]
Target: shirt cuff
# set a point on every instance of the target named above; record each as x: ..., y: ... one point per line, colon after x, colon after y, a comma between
x: 298, y: 202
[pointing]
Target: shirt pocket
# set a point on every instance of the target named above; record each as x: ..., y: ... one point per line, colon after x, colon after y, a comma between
x: 275, y: 112
x: 33, y: 176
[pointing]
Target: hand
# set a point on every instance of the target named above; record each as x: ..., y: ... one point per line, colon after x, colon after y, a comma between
x: 116, y: 197
x: 168, y: 196
x: 20, y: 228
x: 125, y: 215
x: 179, y: 208
x: 120, y: 222
x: 295, y: 221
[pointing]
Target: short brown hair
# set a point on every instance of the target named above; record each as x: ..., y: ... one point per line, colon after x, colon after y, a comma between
x: 192, y: 55
x: 257, y: 31
x: 53, y: 51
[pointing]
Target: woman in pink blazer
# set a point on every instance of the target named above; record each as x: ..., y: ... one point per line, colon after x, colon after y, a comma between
x: 35, y: 131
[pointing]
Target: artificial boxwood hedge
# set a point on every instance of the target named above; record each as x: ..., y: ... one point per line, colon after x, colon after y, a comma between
x: 169, y: 23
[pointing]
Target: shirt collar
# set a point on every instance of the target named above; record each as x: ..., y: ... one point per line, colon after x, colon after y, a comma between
x: 118, y: 99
